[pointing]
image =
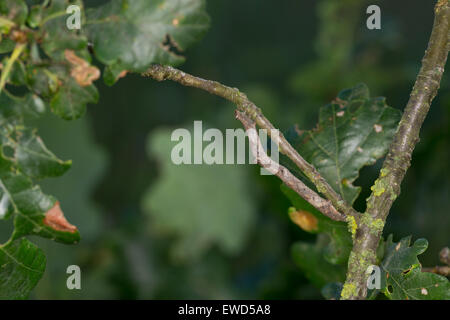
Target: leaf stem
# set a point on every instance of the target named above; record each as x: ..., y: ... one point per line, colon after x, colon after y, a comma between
x: 14, y: 56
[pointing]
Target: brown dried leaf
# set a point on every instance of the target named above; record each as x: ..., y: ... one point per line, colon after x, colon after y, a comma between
x: 304, y: 219
x: 83, y: 73
x: 54, y: 218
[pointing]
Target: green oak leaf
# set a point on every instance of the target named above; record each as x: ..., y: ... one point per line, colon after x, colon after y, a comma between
x: 20, y: 198
x: 34, y: 18
x: 56, y: 36
x: 6, y: 45
x: 34, y: 159
x: 55, y: 84
x: 402, y: 277
x: 70, y: 101
x: 42, y: 81
x: 353, y: 131
x: 14, y: 109
x: 55, y: 68
x: 22, y: 265
x: 130, y: 35
x: 10, y: 111
x: 112, y: 73
x: 20, y: 144
x: 17, y: 75
x: 23, y: 157
x: 35, y: 106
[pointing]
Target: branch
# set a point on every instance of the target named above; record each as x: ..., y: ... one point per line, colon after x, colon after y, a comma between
x: 442, y: 270
x: 399, y: 157
x: 444, y: 256
x: 244, y: 105
x: 283, y: 173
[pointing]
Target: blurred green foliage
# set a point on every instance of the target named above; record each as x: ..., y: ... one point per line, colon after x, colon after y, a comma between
x: 290, y: 57
x: 202, y: 205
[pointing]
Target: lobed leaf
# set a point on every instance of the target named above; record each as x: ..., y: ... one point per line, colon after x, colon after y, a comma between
x: 402, y: 275
x: 353, y: 131
x: 23, y: 200
x: 54, y: 64
x: 130, y: 35
x: 70, y: 101
x: 56, y: 36
x: 34, y: 159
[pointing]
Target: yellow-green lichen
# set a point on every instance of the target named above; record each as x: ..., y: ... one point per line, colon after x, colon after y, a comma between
x: 366, y: 258
x: 384, y: 172
x: 378, y: 188
x: 352, y: 225
x: 358, y: 263
x: 361, y: 261
x: 320, y: 188
x: 352, y: 259
x: 348, y: 291
x: 291, y: 209
x: 375, y: 225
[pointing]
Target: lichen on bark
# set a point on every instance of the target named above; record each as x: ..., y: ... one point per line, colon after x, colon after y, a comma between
x: 387, y: 187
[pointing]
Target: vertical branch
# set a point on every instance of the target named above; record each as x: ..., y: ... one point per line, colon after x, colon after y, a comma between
x: 387, y: 187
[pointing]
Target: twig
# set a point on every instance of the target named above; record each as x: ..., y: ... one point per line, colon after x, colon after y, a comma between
x: 161, y: 73
x: 283, y: 173
x: 399, y: 157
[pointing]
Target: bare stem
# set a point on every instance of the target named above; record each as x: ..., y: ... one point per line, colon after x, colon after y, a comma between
x: 399, y: 157
x: 244, y: 105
